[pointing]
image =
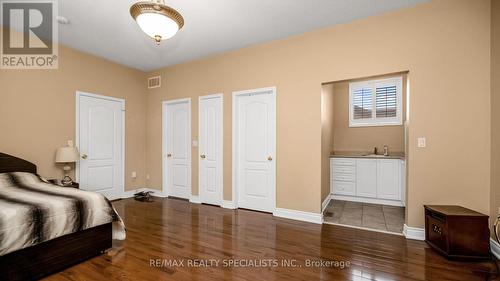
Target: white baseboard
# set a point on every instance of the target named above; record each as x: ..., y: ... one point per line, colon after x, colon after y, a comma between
x: 495, y: 248
x: 228, y: 204
x: 326, y: 202
x: 157, y: 192
x: 364, y: 228
x: 130, y: 193
x: 285, y: 213
x: 414, y: 233
x: 298, y: 215
x: 368, y: 200
x: 195, y: 199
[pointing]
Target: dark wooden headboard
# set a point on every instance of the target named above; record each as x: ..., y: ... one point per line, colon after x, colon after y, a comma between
x: 9, y: 163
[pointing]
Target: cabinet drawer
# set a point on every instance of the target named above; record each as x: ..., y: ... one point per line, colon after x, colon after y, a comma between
x: 344, y: 177
x: 343, y: 161
x: 344, y: 188
x: 344, y: 169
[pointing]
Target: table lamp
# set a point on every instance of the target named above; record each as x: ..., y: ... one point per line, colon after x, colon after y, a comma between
x: 67, y: 154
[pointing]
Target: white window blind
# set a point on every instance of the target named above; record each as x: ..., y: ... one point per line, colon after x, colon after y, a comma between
x: 376, y: 102
x: 363, y: 103
x: 386, y: 101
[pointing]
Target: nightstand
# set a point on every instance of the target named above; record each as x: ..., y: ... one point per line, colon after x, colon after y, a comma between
x: 58, y: 182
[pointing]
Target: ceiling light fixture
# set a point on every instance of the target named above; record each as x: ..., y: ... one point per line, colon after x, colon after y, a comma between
x: 157, y: 20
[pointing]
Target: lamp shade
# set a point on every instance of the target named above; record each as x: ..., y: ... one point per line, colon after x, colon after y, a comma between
x: 67, y: 154
x: 154, y: 24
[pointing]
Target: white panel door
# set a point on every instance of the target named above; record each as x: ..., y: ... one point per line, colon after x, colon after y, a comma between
x: 210, y: 150
x: 178, y: 149
x: 366, y: 177
x: 255, y: 150
x: 388, y: 180
x: 100, y: 140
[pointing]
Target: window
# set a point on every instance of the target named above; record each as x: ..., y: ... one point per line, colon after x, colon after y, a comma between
x: 376, y: 102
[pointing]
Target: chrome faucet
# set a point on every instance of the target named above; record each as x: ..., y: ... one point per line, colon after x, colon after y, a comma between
x: 386, y: 150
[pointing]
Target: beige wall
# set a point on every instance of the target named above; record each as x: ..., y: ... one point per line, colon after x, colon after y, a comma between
x: 433, y: 41
x: 298, y: 165
x: 495, y: 109
x: 37, y: 109
x: 327, y: 131
x: 361, y: 139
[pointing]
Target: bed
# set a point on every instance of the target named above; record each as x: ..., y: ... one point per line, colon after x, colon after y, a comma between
x: 45, y: 228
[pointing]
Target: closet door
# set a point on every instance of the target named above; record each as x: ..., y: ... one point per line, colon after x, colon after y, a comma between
x: 255, y: 144
x: 177, y: 145
x: 210, y: 134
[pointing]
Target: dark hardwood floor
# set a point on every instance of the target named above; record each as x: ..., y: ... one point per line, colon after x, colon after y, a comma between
x: 177, y: 231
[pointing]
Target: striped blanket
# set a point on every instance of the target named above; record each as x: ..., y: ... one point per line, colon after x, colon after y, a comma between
x: 33, y: 211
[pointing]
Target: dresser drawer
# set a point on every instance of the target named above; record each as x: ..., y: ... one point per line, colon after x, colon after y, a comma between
x: 344, y: 188
x: 344, y: 169
x: 343, y: 162
x: 344, y: 177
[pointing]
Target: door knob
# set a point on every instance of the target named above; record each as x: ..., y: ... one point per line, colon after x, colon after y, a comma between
x: 84, y: 156
x: 169, y: 155
x: 203, y: 156
x: 269, y: 158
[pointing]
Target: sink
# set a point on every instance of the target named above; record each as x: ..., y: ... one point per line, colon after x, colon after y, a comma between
x: 375, y: 155
x: 361, y: 154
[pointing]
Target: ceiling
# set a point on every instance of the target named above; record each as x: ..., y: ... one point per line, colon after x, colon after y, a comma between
x: 106, y: 29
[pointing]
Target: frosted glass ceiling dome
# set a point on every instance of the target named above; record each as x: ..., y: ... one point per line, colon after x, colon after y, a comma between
x: 157, y: 20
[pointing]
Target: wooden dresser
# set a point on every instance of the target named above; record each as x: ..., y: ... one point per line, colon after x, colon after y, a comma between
x: 457, y: 232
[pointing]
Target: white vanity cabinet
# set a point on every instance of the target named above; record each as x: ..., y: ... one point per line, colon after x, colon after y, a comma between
x: 370, y: 180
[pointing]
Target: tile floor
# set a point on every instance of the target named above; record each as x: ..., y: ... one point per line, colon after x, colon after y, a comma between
x: 380, y: 217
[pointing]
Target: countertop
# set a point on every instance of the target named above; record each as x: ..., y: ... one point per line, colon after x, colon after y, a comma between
x: 358, y: 154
